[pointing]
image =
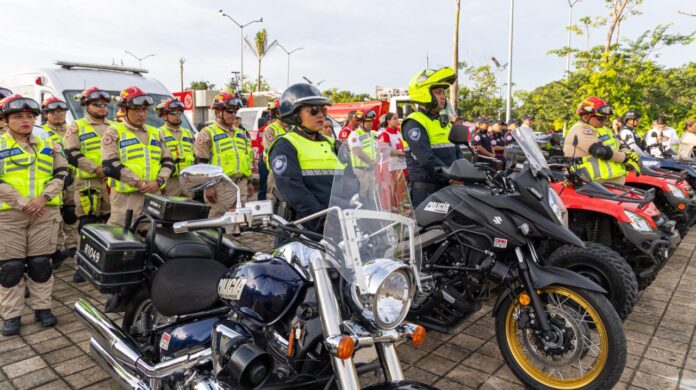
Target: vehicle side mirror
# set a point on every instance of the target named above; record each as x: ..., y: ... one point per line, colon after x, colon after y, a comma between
x: 459, y: 135
x: 200, y: 176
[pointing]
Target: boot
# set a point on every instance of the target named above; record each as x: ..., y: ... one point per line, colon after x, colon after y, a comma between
x: 78, y: 278
x: 11, y: 326
x: 45, y: 317
x: 60, y: 256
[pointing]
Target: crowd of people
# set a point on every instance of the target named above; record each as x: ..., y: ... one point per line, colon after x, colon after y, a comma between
x: 94, y: 169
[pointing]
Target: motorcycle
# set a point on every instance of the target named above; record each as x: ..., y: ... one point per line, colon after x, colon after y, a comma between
x: 554, y: 327
x: 291, y: 319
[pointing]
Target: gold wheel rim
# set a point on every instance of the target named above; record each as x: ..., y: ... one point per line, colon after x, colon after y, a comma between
x: 527, y: 363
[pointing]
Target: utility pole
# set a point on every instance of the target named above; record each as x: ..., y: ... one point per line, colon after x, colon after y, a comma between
x: 455, y: 57
x: 288, y: 53
x: 140, y: 59
x: 509, y: 84
x: 181, y: 72
x: 499, y: 69
x: 571, y: 4
x: 241, y: 45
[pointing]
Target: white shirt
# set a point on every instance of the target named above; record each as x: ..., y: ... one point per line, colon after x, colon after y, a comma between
x: 670, y: 141
x: 686, y: 146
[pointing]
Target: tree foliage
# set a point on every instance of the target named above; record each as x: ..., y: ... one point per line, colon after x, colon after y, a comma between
x: 200, y: 85
x: 482, y: 96
x: 343, y: 96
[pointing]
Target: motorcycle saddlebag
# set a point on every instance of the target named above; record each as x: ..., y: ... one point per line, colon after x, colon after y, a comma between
x: 174, y: 208
x: 111, y: 257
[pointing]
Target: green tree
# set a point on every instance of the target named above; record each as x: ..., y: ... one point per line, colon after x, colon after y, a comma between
x: 250, y: 85
x: 200, y: 85
x: 343, y: 96
x: 482, y: 97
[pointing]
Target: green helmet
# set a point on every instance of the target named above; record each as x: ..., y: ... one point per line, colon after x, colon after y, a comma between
x: 421, y: 85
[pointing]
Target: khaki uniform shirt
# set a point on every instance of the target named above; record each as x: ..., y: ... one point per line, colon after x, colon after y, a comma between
x: 11, y: 196
x: 586, y: 137
x: 269, y: 136
x: 109, y: 151
x: 72, y: 141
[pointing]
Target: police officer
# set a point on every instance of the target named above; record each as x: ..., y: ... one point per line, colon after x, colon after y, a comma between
x: 426, y: 133
x: 481, y: 140
x: 601, y: 152
x: 179, y: 141
x: 54, y: 110
x: 4, y: 92
x: 134, y: 156
x: 363, y: 146
x: 32, y: 174
x: 498, y: 140
x: 630, y: 121
x: 304, y: 161
x: 276, y: 128
x: 83, y: 150
x: 229, y: 147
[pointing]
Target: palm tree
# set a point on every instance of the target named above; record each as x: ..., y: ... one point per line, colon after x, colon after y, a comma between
x: 260, y: 48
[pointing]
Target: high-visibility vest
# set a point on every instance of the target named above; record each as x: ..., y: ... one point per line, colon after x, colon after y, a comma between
x: 437, y: 134
x: 143, y: 160
x: 182, y: 150
x: 231, y: 150
x: 52, y: 135
x: 90, y: 146
x: 368, y: 144
x: 27, y: 172
x: 277, y: 129
x: 598, y: 169
x: 315, y: 158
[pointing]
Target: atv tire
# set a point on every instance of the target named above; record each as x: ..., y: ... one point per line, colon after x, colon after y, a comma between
x: 605, y: 267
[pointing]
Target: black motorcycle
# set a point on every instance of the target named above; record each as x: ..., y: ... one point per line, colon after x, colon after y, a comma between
x: 293, y: 319
x: 554, y: 327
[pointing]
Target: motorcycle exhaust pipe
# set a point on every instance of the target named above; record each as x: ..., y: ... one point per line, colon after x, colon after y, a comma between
x: 116, y: 371
x: 115, y: 345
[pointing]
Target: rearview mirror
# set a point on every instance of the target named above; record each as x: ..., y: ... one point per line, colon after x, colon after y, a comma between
x: 200, y: 176
x: 459, y: 135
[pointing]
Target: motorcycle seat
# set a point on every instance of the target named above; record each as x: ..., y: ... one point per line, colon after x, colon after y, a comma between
x: 172, y: 245
x: 230, y: 252
x: 182, y: 286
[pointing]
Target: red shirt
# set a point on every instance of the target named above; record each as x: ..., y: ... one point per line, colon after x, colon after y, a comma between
x: 256, y: 144
x: 344, y: 133
x: 391, y: 137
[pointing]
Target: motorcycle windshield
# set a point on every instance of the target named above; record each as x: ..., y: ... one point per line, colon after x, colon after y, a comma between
x: 528, y: 143
x: 371, y: 214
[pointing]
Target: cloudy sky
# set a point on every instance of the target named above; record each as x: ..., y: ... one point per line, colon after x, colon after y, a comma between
x: 352, y: 44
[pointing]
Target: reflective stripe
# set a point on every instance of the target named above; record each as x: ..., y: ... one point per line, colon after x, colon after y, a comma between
x: 319, y: 172
x: 15, y: 168
x: 440, y: 146
x: 49, y: 171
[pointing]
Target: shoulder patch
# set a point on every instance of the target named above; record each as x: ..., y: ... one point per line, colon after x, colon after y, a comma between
x: 588, y: 131
x: 107, y: 140
x: 414, y: 134
x: 477, y: 138
x: 279, y: 164
x: 493, y: 142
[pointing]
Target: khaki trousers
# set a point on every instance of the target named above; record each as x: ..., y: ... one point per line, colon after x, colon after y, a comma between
x: 173, y: 188
x: 25, y: 236
x: 122, y: 201
x: 227, y: 196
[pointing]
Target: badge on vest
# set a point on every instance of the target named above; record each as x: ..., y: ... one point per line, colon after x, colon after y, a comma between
x: 187, y: 139
x: 128, y: 142
x: 169, y: 139
x: 154, y: 142
x: 604, y: 137
x: 414, y: 134
x: 48, y: 151
x: 219, y: 137
x: 10, y: 152
x: 279, y: 164
x: 86, y: 136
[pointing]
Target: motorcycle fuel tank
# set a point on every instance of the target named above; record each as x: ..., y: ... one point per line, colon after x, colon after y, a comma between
x: 262, y: 290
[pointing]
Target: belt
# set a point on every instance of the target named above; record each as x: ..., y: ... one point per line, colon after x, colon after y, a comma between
x: 425, y: 186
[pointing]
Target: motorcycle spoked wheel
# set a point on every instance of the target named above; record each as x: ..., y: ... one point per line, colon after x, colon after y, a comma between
x: 140, y: 319
x: 605, y: 267
x: 589, y: 353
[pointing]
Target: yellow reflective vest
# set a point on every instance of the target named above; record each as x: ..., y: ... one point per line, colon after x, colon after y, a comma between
x: 598, y: 169
x: 28, y: 172
x: 231, y: 150
x: 90, y: 146
x: 437, y: 134
x: 182, y: 150
x: 315, y: 158
x: 143, y: 160
x: 368, y: 144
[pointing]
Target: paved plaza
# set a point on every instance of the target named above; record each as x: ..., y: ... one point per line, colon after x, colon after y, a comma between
x: 660, y: 334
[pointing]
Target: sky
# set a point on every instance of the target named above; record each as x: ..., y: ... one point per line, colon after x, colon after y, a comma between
x: 351, y: 44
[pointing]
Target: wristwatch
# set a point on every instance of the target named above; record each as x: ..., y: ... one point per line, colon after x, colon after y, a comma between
x: 160, y: 181
x: 48, y: 198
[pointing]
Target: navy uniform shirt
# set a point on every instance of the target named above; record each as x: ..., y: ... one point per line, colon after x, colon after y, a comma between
x: 498, y: 139
x: 421, y: 158
x: 482, y: 138
x: 306, y: 195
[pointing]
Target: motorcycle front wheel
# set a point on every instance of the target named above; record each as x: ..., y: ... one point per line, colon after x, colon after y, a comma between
x: 588, y: 350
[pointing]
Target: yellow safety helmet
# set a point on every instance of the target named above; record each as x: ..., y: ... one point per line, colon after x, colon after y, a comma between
x: 422, y: 83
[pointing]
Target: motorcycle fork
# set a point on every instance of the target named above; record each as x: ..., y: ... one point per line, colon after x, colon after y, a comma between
x: 537, y: 305
x: 330, y: 314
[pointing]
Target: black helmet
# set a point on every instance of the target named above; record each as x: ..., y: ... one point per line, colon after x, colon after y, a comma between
x: 631, y: 114
x: 4, y: 92
x: 296, y: 96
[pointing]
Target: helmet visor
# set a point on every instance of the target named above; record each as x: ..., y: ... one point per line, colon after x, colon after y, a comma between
x: 4, y: 92
x: 142, y: 100
x: 21, y: 104
x: 96, y: 95
x: 56, y: 106
x: 605, y: 110
x: 175, y: 105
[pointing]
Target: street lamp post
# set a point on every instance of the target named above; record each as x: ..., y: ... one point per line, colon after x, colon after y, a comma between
x: 509, y: 84
x: 241, y: 46
x: 140, y: 59
x: 288, y: 53
x: 571, y: 4
x: 499, y: 68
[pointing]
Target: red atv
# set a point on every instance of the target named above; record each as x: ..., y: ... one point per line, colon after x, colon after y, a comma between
x: 674, y: 197
x: 621, y: 217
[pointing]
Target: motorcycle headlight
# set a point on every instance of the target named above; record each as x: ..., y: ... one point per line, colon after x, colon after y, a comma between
x: 676, y: 191
x: 559, y: 208
x: 637, y: 222
x: 390, y: 287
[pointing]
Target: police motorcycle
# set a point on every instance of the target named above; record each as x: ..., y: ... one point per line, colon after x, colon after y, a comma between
x: 554, y: 327
x: 290, y: 319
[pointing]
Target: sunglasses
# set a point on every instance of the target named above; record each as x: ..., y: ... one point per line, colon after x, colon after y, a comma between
x: 99, y: 104
x: 314, y: 110
x: 231, y: 110
x: 57, y: 106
